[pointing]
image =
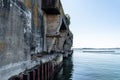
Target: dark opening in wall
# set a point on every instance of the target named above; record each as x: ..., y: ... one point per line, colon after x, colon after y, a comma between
x: 51, y: 6
x: 63, y: 27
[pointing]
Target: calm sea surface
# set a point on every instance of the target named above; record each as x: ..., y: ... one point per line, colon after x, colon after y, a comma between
x: 91, y: 66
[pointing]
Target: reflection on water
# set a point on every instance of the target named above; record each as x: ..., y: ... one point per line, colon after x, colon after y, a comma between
x: 91, y: 66
x: 66, y: 71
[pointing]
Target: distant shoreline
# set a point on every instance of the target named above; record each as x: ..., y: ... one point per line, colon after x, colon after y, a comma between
x: 96, y: 48
x: 98, y: 51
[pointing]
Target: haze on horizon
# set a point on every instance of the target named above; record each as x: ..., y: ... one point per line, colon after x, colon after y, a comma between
x: 94, y: 23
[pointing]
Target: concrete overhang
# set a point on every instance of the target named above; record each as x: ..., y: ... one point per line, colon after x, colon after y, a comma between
x: 54, y: 7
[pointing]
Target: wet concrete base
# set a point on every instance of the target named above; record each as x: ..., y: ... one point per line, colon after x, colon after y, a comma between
x: 50, y: 65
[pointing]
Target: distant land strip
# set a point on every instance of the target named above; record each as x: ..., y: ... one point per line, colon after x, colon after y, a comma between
x: 98, y: 51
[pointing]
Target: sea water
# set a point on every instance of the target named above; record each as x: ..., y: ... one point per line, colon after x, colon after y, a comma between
x: 90, y: 66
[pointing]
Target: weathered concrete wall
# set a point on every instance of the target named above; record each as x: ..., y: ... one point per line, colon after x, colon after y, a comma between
x: 34, y: 7
x: 59, y: 37
x: 53, y: 24
x: 15, y: 23
x: 20, y: 36
x: 29, y: 29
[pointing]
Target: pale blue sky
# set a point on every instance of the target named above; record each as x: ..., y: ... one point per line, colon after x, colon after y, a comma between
x: 94, y: 23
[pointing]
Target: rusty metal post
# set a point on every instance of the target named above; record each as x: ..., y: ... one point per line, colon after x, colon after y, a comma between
x: 38, y: 70
x: 25, y: 77
x: 48, y: 70
x: 34, y: 75
x: 31, y: 75
x: 42, y: 75
x: 21, y: 77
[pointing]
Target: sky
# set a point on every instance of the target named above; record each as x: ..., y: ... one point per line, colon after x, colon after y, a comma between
x: 94, y: 23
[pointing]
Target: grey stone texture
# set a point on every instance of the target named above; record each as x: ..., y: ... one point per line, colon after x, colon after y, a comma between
x: 27, y: 29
